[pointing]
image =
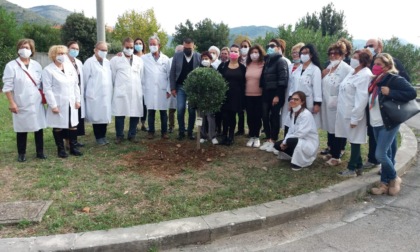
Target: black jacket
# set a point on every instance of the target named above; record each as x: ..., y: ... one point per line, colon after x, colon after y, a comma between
x: 275, y: 75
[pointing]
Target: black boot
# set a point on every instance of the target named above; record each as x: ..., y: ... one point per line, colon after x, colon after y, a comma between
x: 73, y: 143
x: 58, y: 137
x: 39, y: 143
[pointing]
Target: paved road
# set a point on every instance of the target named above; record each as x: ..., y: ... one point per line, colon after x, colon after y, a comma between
x: 379, y: 223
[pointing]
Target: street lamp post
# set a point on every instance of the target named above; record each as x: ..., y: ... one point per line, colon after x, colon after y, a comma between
x: 100, y: 21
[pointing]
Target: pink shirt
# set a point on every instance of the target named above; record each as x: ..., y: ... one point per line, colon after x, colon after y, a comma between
x: 253, y: 75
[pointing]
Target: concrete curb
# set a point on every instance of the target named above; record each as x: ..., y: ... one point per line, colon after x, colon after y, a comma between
x: 204, y: 229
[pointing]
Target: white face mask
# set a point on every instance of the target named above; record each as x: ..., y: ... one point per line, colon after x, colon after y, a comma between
x: 244, y: 51
x: 354, y: 63
x: 334, y: 63
x: 61, y: 58
x: 102, y: 54
x: 304, y: 57
x: 214, y: 56
x: 255, y: 56
x: 205, y: 63
x: 128, y: 52
x: 25, y: 53
x: 296, y: 109
x: 153, y: 49
x: 372, y: 50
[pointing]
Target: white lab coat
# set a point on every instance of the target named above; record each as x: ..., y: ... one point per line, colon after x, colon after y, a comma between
x: 156, y: 81
x: 308, y: 82
x: 62, y: 92
x: 31, y: 114
x: 306, y: 131
x: 127, y: 99
x: 352, y: 101
x: 80, y: 70
x: 285, y: 109
x: 98, y: 90
x: 330, y: 86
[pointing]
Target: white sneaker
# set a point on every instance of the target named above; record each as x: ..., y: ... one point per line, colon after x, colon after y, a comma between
x: 265, y: 145
x: 214, y: 141
x: 250, y: 142
x: 275, y: 152
x: 202, y: 140
x: 257, y: 143
x: 283, y: 156
x: 270, y: 147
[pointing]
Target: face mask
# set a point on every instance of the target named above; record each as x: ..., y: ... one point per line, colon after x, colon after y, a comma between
x: 244, y: 51
x: 270, y: 50
x: 61, y: 58
x: 255, y: 56
x: 128, y: 52
x: 296, y: 109
x: 73, y: 53
x: 102, y: 54
x: 372, y: 50
x: 213, y: 56
x: 188, y: 52
x: 354, y: 63
x: 234, y: 55
x: 304, y: 57
x: 205, y: 63
x: 296, y: 61
x: 25, y: 53
x: 377, y: 70
x: 334, y: 63
x: 138, y: 48
x: 153, y: 49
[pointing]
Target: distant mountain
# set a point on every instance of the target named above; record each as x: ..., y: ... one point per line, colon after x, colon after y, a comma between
x: 252, y: 31
x: 54, y: 13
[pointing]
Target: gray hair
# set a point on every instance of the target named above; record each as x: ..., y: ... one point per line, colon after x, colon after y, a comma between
x: 155, y: 37
x: 216, y: 49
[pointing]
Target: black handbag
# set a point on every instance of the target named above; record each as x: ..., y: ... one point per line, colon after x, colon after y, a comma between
x: 399, y: 111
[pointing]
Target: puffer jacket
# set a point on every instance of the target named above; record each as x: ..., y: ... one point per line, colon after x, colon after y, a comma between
x: 275, y: 74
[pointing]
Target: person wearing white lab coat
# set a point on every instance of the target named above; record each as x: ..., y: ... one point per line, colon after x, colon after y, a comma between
x: 127, y: 99
x: 301, y: 142
x: 332, y: 76
x: 60, y: 85
x: 97, y: 77
x: 156, y: 86
x: 25, y: 101
x: 307, y: 78
x: 351, y: 109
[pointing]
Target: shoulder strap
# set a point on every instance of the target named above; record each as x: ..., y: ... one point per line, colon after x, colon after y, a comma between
x: 26, y: 73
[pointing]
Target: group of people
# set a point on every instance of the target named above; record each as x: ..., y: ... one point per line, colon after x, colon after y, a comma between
x: 299, y: 95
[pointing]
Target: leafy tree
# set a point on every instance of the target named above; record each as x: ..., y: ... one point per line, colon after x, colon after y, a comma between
x: 144, y: 25
x: 408, y: 54
x: 183, y: 31
x: 81, y: 29
x: 44, y: 35
x: 241, y: 38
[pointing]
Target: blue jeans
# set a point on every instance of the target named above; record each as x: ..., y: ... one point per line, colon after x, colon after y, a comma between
x: 163, y: 121
x: 181, y: 100
x: 119, y: 126
x: 386, y: 148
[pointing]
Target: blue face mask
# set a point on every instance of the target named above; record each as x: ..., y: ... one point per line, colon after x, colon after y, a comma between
x: 73, y: 53
x: 270, y: 50
x: 138, y: 48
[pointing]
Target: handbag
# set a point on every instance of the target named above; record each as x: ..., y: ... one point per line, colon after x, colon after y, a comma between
x: 399, y: 111
x: 43, y: 100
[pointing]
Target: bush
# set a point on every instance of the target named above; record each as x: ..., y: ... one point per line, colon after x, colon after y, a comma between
x: 206, y: 89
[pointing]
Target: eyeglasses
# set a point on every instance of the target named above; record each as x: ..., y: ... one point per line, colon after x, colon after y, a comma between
x: 295, y: 53
x: 129, y: 47
x: 271, y: 46
x: 366, y: 46
x: 332, y: 53
x: 294, y: 99
x: 244, y: 46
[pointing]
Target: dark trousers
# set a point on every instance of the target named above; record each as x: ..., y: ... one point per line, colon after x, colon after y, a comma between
x: 372, y: 146
x: 271, y: 117
x: 241, y: 121
x: 99, y: 130
x: 229, y: 123
x: 163, y: 121
x: 119, y: 126
x: 144, y: 117
x: 80, y: 127
x: 336, y: 145
x: 22, y: 138
x: 291, y: 145
x: 253, y: 115
x: 355, y: 161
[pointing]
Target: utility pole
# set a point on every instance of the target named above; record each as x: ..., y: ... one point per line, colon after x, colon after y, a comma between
x: 100, y: 21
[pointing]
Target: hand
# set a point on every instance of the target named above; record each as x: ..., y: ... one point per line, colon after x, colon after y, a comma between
x: 316, y: 109
x: 385, y: 90
x: 283, y: 146
x: 13, y: 108
x: 275, y: 100
x: 173, y: 93
x: 353, y: 126
x: 325, y: 72
x: 55, y: 110
x: 77, y: 105
x: 168, y: 95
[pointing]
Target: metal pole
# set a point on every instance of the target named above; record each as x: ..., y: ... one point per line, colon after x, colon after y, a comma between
x: 100, y: 21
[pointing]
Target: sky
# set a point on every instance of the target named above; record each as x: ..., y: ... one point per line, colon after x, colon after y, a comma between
x: 364, y: 19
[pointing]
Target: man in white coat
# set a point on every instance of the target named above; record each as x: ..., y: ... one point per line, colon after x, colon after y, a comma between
x: 157, y: 88
x: 98, y: 91
x: 127, y: 100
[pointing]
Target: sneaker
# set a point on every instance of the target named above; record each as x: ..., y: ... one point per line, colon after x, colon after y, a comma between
x: 202, y: 140
x: 214, y: 141
x: 327, y: 157
x: 359, y: 172
x: 101, y: 141
x: 118, y: 140
x: 333, y: 162
x: 150, y: 135
x: 270, y: 147
x: 283, y: 156
x: 347, y: 173
x: 275, y: 152
x: 265, y: 146
x: 170, y: 130
x: 239, y: 133
x: 381, y: 189
x: 250, y: 142
x: 368, y: 165
x: 257, y: 143
x: 325, y: 151
x: 296, y: 167
x: 143, y: 128
x: 394, y: 186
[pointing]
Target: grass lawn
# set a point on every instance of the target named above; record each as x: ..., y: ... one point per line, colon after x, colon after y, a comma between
x: 122, y: 188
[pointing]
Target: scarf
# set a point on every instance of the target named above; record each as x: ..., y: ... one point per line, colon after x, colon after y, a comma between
x: 373, y: 89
